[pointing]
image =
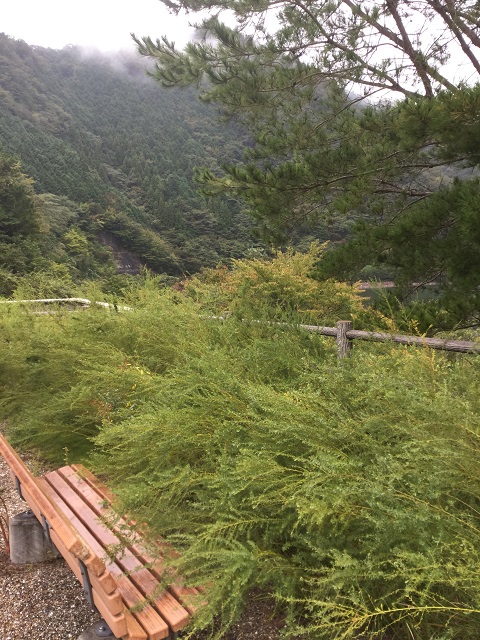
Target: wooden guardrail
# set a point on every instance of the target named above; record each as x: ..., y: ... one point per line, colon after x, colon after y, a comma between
x: 343, y: 331
x: 345, y: 334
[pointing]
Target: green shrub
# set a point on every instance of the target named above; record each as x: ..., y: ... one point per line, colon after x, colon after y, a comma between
x: 280, y: 289
x: 349, y: 492
x: 64, y: 373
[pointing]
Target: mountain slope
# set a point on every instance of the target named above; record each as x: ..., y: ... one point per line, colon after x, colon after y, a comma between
x: 100, y: 132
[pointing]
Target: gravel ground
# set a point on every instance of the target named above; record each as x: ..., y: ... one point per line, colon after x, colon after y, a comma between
x: 45, y: 601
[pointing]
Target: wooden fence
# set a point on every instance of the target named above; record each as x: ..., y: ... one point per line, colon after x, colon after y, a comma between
x: 343, y: 331
x: 345, y: 334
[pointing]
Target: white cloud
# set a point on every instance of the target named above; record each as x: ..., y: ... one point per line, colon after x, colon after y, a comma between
x: 103, y: 24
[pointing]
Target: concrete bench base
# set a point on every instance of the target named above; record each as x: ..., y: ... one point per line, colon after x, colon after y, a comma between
x: 28, y: 543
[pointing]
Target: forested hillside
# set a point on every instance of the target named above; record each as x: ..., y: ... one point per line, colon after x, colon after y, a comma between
x: 122, y: 150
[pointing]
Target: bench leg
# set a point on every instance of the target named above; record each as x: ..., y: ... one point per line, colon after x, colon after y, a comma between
x: 98, y: 630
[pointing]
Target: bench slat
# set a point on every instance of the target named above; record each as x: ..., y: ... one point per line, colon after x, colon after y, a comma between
x: 102, y: 489
x: 135, y: 631
x: 98, y: 536
x: 117, y: 622
x: 165, y: 603
x: 187, y: 596
x: 104, y: 583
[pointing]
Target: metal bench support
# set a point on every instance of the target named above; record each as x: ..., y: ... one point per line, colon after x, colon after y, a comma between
x: 87, y: 585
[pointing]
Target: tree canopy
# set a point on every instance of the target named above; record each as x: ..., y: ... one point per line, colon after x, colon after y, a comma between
x: 20, y: 221
x: 355, y: 109
x: 398, y: 45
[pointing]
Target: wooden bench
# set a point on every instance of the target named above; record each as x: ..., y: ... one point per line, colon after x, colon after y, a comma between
x: 121, y: 579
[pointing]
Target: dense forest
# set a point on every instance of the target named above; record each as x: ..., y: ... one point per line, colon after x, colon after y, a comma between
x: 112, y: 158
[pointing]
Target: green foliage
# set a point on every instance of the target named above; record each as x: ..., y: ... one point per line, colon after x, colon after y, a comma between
x: 437, y: 242
x: 451, y: 118
x: 18, y: 215
x: 351, y: 494
x: 144, y: 242
x: 348, y: 492
x: 77, y: 367
x: 278, y: 289
x: 53, y: 281
x: 322, y: 152
x: 21, y: 224
x: 94, y: 132
x: 46, y: 245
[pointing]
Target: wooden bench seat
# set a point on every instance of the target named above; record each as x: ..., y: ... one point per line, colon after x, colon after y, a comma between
x: 128, y: 587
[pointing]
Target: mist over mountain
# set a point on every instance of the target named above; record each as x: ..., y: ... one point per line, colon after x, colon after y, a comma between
x: 98, y: 133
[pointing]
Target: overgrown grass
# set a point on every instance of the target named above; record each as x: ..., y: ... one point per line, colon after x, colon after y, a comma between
x: 349, y: 492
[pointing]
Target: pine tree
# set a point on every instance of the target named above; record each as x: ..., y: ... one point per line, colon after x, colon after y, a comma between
x: 321, y: 149
x: 18, y: 212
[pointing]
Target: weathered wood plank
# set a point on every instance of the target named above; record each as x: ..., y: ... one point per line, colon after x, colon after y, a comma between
x: 99, y: 537
x: 114, y: 618
x: 135, y: 631
x: 344, y: 344
x: 103, y: 581
x: 86, y: 475
x: 165, y: 603
x: 458, y: 346
x: 187, y: 596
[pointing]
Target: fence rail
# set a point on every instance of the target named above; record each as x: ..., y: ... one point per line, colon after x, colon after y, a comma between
x: 345, y: 334
x: 343, y: 331
x: 83, y: 303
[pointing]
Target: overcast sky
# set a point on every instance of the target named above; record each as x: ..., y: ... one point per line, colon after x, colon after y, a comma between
x: 104, y: 24
x: 107, y: 24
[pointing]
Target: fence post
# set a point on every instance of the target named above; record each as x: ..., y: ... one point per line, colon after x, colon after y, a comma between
x: 344, y: 345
